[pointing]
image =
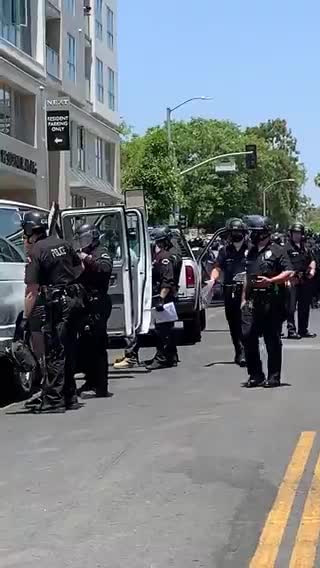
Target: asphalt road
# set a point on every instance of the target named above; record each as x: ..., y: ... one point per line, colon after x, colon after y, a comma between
x: 183, y: 468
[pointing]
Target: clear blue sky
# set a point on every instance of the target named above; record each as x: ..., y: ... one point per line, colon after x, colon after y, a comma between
x: 258, y: 59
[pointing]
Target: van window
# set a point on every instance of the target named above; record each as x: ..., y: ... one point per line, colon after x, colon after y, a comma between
x: 9, y: 253
x: 10, y: 222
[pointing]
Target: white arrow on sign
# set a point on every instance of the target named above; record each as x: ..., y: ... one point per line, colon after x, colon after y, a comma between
x: 58, y: 140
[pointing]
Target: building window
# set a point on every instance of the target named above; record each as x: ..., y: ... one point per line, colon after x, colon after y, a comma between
x: 109, y: 158
x: 78, y: 201
x: 70, y: 7
x: 99, y: 80
x: 99, y: 158
x: 99, y: 19
x: 81, y: 147
x: 111, y: 90
x: 110, y: 28
x: 71, y: 61
x: 5, y: 110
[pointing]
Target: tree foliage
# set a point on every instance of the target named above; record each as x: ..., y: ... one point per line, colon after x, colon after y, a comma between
x: 205, y: 196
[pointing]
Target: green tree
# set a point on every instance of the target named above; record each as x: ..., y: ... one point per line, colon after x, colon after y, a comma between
x: 205, y: 196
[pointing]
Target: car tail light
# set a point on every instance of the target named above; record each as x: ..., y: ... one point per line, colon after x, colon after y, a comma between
x: 190, y: 279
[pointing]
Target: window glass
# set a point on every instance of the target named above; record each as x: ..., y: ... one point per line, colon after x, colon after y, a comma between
x: 71, y: 61
x: 133, y: 234
x: 8, y: 253
x: 110, y: 225
x: 111, y: 89
x: 99, y: 173
x: 99, y: 19
x: 99, y: 79
x: 110, y: 28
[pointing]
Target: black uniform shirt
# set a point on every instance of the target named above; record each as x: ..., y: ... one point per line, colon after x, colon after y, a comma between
x: 166, y: 270
x: 231, y: 261
x: 52, y: 261
x: 300, y: 256
x: 98, y: 268
x: 269, y: 261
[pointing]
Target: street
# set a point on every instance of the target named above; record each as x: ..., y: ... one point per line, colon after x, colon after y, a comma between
x: 181, y: 468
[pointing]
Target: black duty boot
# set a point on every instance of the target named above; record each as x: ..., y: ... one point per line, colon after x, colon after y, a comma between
x: 240, y: 359
x: 293, y: 335
x: 47, y: 408
x: 156, y: 364
x: 257, y: 381
x: 308, y: 335
x: 271, y: 383
x: 73, y: 403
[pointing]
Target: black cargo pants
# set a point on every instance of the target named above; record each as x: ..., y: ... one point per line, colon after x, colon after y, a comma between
x: 94, y: 342
x: 299, y: 298
x: 166, y: 343
x: 261, y: 317
x: 60, y: 332
x: 232, y: 306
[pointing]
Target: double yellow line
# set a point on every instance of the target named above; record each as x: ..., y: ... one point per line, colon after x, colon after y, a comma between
x: 305, y: 546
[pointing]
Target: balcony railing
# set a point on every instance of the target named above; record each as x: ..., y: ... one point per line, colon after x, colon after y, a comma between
x: 53, y: 65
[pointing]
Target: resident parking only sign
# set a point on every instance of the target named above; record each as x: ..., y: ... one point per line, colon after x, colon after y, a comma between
x: 58, y: 124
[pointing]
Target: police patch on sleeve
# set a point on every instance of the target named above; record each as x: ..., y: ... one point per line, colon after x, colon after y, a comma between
x: 165, y: 261
x: 268, y: 254
x: 105, y: 255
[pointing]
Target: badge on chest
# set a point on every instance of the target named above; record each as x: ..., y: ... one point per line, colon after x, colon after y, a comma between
x: 267, y: 254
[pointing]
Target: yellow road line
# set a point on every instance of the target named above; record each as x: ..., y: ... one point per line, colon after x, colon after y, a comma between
x: 305, y: 548
x: 271, y: 537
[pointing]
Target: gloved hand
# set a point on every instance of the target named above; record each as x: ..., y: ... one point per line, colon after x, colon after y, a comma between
x: 159, y: 305
x: 22, y: 325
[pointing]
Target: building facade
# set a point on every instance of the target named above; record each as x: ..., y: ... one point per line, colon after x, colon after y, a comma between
x: 51, y: 49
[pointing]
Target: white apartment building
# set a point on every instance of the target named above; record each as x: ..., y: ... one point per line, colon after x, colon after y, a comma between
x: 50, y: 49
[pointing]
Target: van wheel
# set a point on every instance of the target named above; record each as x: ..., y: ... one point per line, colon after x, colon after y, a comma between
x: 25, y: 384
x: 203, y: 320
x: 192, y: 329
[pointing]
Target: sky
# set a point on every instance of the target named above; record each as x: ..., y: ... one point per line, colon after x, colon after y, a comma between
x: 257, y: 59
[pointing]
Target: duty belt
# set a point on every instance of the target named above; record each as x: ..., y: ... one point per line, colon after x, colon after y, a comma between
x: 57, y: 293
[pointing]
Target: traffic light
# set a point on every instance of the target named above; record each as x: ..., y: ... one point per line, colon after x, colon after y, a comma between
x: 251, y: 159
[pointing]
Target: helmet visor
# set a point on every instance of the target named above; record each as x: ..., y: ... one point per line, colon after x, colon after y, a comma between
x: 83, y: 240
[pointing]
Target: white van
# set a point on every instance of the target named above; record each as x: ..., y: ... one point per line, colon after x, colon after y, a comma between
x: 130, y: 285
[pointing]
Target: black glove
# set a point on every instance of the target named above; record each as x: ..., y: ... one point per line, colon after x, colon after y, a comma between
x: 159, y: 305
x: 22, y: 326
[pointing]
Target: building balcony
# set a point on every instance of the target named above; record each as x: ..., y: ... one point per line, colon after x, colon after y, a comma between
x: 53, y: 63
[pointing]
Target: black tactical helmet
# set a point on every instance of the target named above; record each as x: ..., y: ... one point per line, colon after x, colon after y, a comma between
x: 87, y: 236
x: 297, y: 227
x: 158, y: 234
x: 236, y: 224
x: 34, y: 221
x: 258, y: 223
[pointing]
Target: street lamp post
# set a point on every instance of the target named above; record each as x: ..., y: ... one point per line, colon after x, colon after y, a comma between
x: 266, y: 189
x: 175, y: 210
x: 171, y: 110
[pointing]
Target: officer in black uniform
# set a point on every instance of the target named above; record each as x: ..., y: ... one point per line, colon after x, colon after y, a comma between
x: 95, y: 278
x: 231, y: 262
x: 263, y: 310
x: 165, y: 281
x: 52, y: 271
x: 300, y: 287
x: 316, y: 279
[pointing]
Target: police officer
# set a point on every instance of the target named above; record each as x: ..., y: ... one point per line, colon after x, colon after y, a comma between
x: 300, y: 287
x: 230, y: 262
x: 267, y: 269
x: 95, y: 278
x: 165, y: 280
x: 52, y: 271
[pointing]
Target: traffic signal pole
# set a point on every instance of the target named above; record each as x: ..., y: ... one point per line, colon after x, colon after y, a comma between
x: 209, y: 160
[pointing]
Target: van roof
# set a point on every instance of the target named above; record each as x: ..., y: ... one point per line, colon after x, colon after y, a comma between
x: 9, y: 203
